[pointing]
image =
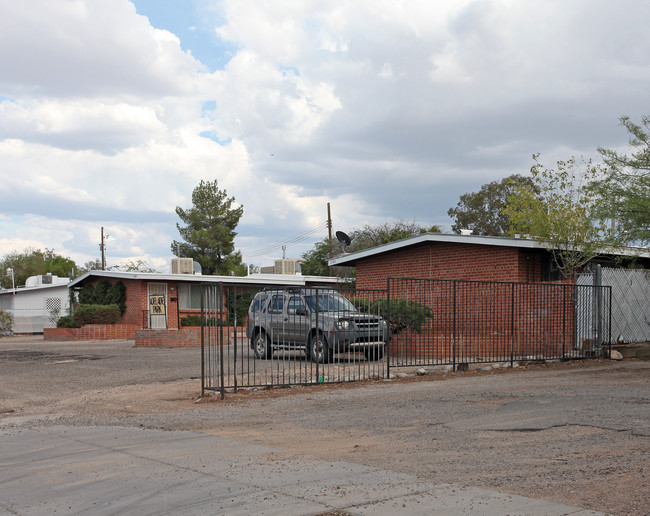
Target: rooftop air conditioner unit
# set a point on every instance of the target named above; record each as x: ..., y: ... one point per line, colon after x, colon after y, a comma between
x: 182, y: 266
x: 285, y: 266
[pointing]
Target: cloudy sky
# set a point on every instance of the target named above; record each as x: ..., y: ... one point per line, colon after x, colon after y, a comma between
x: 112, y: 111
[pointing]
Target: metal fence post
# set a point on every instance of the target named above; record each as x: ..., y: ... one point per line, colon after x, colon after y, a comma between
x: 599, y: 307
x: 512, y: 323
x: 453, y: 331
x: 390, y: 337
x: 202, y: 345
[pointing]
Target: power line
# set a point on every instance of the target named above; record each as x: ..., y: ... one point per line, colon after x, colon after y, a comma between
x: 293, y: 240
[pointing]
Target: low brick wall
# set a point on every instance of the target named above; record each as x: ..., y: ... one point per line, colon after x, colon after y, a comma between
x: 184, y: 337
x: 188, y: 336
x: 92, y: 332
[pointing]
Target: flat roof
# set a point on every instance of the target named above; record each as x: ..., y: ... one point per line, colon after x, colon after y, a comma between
x: 18, y: 290
x: 348, y: 260
x: 253, y: 279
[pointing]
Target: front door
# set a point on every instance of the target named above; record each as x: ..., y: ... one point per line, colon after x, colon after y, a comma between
x: 157, y: 306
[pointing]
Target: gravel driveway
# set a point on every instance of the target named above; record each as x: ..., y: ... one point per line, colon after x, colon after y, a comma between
x: 576, y: 433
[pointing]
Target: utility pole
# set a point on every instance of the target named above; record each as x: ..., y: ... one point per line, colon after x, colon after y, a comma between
x: 329, y: 229
x: 103, y: 249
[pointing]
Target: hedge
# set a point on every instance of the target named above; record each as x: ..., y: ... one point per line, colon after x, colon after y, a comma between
x: 97, y: 314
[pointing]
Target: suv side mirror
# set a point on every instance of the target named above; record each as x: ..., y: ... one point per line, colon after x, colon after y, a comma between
x: 301, y: 311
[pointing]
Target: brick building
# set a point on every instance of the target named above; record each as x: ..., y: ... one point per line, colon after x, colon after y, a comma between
x: 489, y: 296
x: 458, y: 257
x: 160, y: 301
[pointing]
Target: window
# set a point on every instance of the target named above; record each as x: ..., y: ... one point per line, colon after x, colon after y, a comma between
x: 294, y: 304
x: 277, y: 304
x: 189, y: 296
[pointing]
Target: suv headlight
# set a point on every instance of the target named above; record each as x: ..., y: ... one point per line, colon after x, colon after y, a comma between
x: 343, y: 325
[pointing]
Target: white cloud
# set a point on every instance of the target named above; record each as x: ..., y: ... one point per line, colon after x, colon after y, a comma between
x: 384, y: 109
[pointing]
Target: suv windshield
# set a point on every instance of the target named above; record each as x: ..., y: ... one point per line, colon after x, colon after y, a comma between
x: 330, y: 302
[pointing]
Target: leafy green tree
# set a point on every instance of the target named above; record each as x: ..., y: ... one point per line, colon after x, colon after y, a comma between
x: 561, y: 213
x: 93, y: 265
x: 209, y: 231
x: 315, y: 260
x: 483, y: 212
x: 59, y: 265
x: 134, y: 266
x: 624, y: 192
x: 372, y: 236
x: 33, y: 262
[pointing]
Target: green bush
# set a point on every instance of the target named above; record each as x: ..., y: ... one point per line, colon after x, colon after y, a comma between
x: 195, y: 320
x: 403, y: 314
x: 191, y: 320
x: 97, y: 314
x: 6, y: 322
x: 238, y: 306
x: 67, y: 321
x: 104, y: 293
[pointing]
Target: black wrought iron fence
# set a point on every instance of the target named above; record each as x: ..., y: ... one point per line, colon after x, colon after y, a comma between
x: 476, y: 321
x: 254, y: 337
x: 290, y: 336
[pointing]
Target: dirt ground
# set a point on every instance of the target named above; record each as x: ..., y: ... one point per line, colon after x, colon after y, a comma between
x: 576, y: 433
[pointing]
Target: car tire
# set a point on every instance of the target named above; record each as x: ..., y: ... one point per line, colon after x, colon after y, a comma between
x: 262, y: 346
x: 318, y: 349
x: 374, y: 353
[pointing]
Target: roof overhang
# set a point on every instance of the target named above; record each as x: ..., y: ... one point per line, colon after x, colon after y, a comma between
x: 349, y: 260
x: 254, y: 279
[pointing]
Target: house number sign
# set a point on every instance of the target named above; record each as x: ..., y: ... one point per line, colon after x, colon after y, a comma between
x: 157, y: 304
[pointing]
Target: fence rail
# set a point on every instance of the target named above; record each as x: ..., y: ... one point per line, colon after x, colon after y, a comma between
x: 301, y: 336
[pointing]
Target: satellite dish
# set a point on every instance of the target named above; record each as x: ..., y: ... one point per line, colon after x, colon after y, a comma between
x: 343, y: 238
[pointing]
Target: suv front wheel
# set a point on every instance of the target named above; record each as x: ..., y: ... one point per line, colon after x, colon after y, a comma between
x: 262, y: 345
x: 318, y: 349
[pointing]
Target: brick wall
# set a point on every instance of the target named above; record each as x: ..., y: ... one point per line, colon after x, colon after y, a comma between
x: 488, y: 319
x: 188, y: 336
x: 185, y: 337
x: 92, y: 332
x: 443, y: 260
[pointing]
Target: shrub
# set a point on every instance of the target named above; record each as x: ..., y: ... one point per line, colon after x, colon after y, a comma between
x: 191, y: 320
x: 6, y: 322
x: 97, y: 314
x: 195, y: 320
x: 67, y: 321
x: 403, y: 314
x: 104, y: 293
x: 238, y: 306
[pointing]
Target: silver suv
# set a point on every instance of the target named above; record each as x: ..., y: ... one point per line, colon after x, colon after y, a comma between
x: 321, y: 322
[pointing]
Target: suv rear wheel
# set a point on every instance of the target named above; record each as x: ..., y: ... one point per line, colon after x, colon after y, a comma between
x: 319, y: 350
x: 262, y: 345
